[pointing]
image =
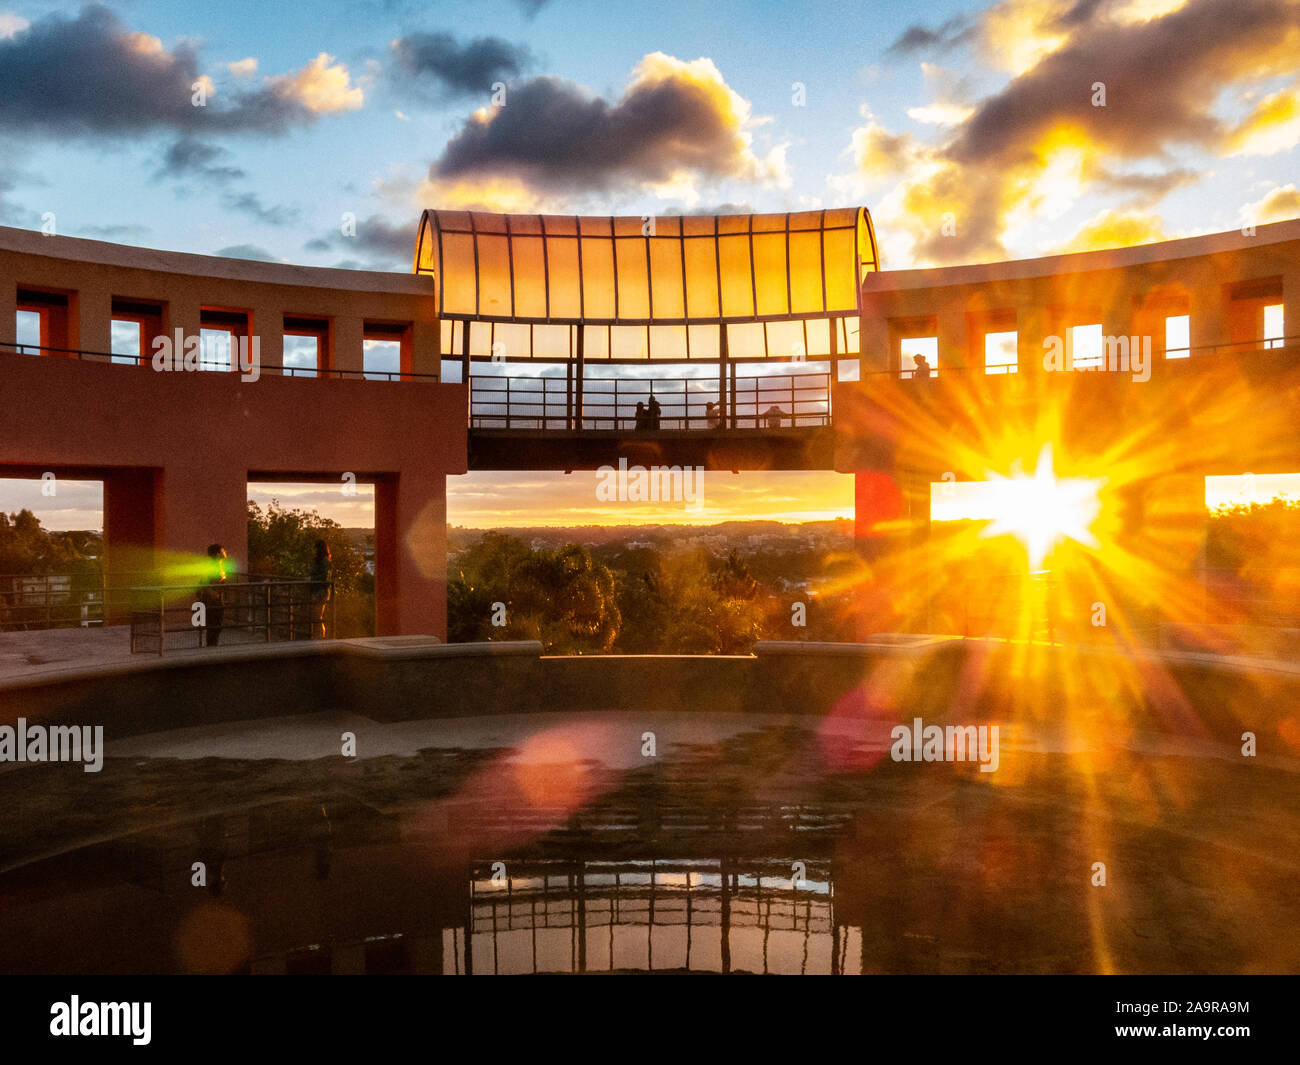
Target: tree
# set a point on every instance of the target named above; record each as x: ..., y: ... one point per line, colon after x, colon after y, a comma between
x: 563, y: 598
x: 282, y: 543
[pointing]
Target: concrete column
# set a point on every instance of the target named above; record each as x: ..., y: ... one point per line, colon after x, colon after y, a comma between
x: 1209, y: 317
x: 8, y: 315
x: 95, y: 322
x: 426, y: 342
x: 184, y: 315
x: 411, y: 555
x: 1291, y: 303
x: 204, y: 501
x: 349, y: 350
x: 268, y: 326
x: 132, y: 532
x: 873, y: 344
x: 1033, y: 325
x: 950, y: 331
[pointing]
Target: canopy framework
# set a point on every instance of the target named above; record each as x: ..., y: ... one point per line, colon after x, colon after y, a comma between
x: 673, y: 287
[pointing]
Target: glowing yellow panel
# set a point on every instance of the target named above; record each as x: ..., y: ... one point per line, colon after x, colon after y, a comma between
x: 598, y: 278
x: 494, y: 276
x: 701, y: 277
x: 770, y: 273
x: 530, y: 287
x: 633, y: 279
x: 805, y: 273
x: 841, y: 284
x: 737, y: 281
x: 459, y: 288
x: 666, y: 276
x: 562, y: 265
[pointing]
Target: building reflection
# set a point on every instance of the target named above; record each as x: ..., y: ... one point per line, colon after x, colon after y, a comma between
x: 700, y: 915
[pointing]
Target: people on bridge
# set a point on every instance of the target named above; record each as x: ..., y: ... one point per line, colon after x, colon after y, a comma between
x: 642, y: 418
x: 922, y: 366
x: 772, y: 417
x: 654, y: 411
x: 713, y: 415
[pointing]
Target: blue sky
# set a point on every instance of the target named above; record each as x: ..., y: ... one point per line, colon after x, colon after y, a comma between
x: 973, y: 132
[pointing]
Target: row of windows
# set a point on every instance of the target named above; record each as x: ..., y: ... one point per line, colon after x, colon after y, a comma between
x: 1086, y: 343
x: 44, y: 319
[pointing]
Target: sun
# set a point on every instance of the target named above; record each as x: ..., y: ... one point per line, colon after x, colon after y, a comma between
x: 1042, y: 510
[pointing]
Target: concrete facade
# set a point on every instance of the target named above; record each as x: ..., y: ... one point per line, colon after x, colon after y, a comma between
x: 176, y: 450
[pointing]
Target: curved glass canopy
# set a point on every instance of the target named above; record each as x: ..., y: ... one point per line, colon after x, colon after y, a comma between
x: 673, y: 270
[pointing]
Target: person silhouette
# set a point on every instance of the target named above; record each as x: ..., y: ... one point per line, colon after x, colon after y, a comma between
x: 642, y: 419
x: 922, y: 366
x: 653, y: 412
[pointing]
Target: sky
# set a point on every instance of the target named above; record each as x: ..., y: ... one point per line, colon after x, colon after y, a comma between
x: 972, y: 132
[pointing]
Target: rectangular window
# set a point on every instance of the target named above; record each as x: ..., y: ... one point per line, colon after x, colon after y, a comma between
x: 914, y: 349
x: 29, y: 332
x: 214, y: 350
x: 125, y: 341
x: 301, y: 355
x: 1086, y: 343
x: 382, y: 359
x: 1273, y: 331
x: 306, y: 346
x: 1000, y: 352
x: 1178, y: 336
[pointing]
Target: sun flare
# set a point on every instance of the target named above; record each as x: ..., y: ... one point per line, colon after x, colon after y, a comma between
x: 1042, y: 510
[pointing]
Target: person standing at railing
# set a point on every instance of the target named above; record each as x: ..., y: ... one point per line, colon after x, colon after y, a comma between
x: 713, y: 415
x: 653, y: 412
x: 320, y: 588
x: 211, y: 595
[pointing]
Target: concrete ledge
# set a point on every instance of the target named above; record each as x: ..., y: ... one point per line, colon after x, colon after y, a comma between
x: 1106, y: 692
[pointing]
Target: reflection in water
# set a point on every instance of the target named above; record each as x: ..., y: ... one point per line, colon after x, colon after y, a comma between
x: 702, y: 915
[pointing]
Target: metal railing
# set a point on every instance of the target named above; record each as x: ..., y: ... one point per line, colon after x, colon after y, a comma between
x: 51, y: 601
x: 270, y: 610
x: 230, y: 366
x: 779, y: 401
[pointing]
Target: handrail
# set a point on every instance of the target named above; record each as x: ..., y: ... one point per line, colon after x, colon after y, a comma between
x: 776, y: 401
x: 269, y: 610
x: 116, y: 358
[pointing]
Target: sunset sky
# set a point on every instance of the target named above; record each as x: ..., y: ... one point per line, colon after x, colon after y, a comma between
x: 973, y: 133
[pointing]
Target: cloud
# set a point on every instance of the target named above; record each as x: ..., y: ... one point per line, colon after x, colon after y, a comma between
x: 1277, y: 205
x: 92, y: 77
x: 126, y: 231
x: 11, y: 24
x: 436, y: 66
x: 383, y: 245
x: 322, y: 87
x: 917, y: 38
x: 243, y: 68
x: 1027, y: 153
x: 1272, y: 127
x: 246, y: 251
x: 251, y: 204
x: 190, y: 156
x: 1110, y: 228
x: 676, y: 122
